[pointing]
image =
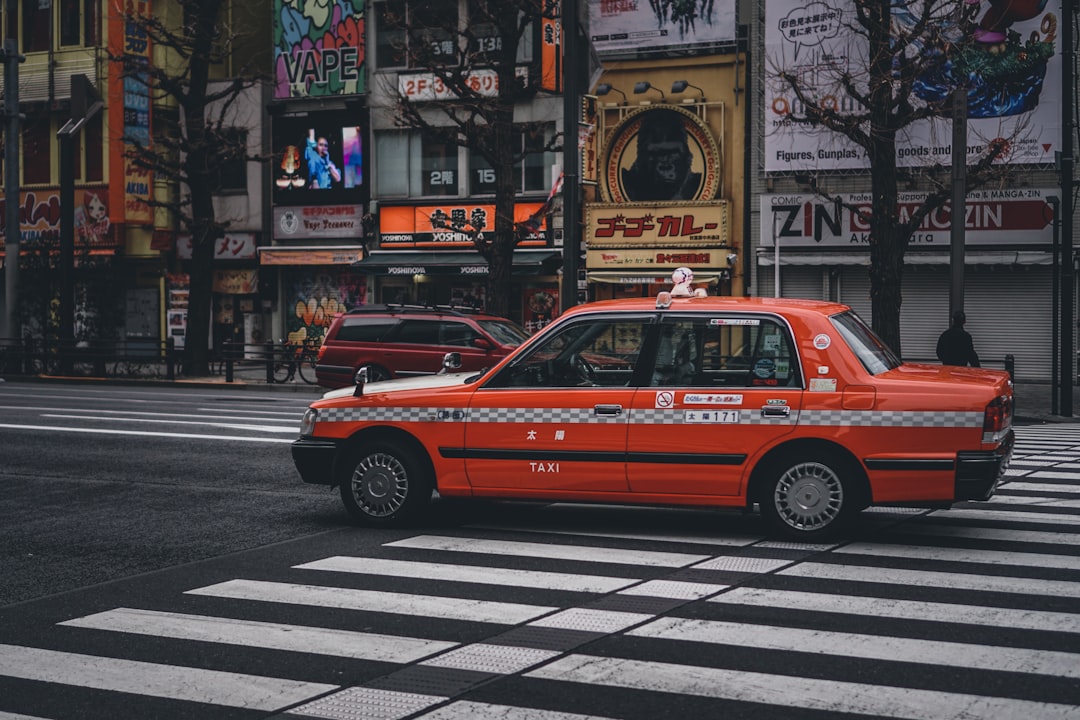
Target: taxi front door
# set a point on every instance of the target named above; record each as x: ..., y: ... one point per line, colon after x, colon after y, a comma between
x: 556, y: 419
x: 723, y: 386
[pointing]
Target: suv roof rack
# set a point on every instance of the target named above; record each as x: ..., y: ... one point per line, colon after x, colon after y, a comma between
x: 403, y: 308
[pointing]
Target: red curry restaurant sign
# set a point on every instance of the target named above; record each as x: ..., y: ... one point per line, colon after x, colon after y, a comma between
x: 669, y: 225
x: 448, y: 226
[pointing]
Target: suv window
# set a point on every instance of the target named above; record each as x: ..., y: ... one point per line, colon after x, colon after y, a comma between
x: 361, y: 329
x: 420, y: 332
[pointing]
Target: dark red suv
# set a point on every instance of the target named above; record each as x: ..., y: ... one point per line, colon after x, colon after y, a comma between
x: 406, y: 340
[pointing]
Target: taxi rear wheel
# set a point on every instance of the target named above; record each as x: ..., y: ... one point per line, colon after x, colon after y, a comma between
x: 385, y: 483
x: 807, y: 499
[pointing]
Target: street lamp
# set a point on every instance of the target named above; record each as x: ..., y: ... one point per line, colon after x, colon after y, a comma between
x: 680, y: 86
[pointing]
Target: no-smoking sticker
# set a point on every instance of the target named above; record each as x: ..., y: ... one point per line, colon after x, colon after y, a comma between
x: 665, y: 399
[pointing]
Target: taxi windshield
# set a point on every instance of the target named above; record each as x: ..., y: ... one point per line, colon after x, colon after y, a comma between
x: 874, y: 354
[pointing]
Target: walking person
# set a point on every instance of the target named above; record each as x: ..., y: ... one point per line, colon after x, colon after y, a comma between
x: 955, y: 346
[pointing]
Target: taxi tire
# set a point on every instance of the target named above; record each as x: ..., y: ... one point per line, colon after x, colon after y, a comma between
x: 385, y: 482
x: 807, y: 498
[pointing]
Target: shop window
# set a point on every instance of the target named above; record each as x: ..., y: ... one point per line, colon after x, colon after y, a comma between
x: 94, y: 151
x: 483, y: 34
x: 415, y: 165
x: 531, y: 166
x: 420, y: 33
x: 37, y: 152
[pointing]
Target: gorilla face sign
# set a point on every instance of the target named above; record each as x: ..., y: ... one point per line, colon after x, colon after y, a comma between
x: 662, y: 154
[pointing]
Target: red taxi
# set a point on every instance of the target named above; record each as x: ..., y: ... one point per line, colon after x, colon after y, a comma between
x: 793, y: 405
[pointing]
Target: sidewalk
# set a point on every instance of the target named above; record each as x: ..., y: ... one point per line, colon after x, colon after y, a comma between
x: 1034, y: 403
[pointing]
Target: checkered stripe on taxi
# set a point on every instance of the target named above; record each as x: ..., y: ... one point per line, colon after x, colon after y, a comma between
x: 483, y: 415
x: 893, y: 418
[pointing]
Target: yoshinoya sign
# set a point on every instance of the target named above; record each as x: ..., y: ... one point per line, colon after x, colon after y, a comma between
x: 660, y: 154
x: 1015, y: 216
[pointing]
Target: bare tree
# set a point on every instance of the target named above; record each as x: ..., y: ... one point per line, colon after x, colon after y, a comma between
x: 470, y: 114
x: 906, y: 43
x: 193, y: 146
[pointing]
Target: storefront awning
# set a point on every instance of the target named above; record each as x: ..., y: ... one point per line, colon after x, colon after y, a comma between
x: 971, y: 257
x: 406, y: 262
x: 616, y: 277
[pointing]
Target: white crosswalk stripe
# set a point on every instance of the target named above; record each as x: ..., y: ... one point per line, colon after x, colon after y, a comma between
x: 961, y: 614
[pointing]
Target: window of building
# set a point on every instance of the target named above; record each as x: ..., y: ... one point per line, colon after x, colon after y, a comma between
x: 70, y: 25
x: 415, y: 165
x: 94, y: 148
x: 37, y: 151
x: 438, y: 166
x: 532, y: 170
x: 36, y: 26
x: 232, y: 172
x: 416, y: 33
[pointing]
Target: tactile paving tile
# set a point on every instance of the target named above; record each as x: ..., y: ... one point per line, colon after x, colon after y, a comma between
x: 361, y: 703
x: 430, y: 680
x: 743, y: 564
x: 545, y: 638
x: 602, y: 621
x: 809, y: 547
x: 496, y: 659
x: 674, y: 589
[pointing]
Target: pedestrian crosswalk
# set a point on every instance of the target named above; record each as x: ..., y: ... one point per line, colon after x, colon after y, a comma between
x: 570, y: 613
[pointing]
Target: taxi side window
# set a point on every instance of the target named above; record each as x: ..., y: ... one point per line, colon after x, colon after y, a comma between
x: 725, y: 352
x: 590, y: 353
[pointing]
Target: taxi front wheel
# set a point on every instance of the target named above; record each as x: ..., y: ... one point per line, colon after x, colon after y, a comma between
x: 385, y: 483
x: 807, y: 499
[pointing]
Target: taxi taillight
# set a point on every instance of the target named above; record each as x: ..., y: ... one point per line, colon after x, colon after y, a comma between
x: 998, y: 415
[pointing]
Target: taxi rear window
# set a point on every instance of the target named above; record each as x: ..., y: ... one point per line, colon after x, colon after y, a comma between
x: 872, y: 352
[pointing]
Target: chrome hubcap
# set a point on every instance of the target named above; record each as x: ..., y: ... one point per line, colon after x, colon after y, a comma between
x: 809, y: 496
x: 379, y: 485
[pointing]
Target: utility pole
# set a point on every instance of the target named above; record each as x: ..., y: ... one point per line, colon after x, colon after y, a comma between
x: 12, y: 230
x: 85, y: 103
x: 572, y: 70
x: 958, y: 213
x: 1068, y: 57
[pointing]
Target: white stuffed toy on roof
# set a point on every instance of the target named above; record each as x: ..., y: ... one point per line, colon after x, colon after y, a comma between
x: 681, y: 278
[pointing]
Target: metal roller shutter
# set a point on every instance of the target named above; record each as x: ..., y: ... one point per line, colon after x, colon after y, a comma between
x: 855, y: 290
x: 924, y: 314
x: 795, y: 282
x: 1010, y: 312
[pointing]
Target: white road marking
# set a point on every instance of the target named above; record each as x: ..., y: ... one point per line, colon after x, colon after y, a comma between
x: 988, y: 533
x: 832, y: 696
x: 485, y: 711
x: 375, y: 601
x: 471, y: 574
x: 699, y: 539
x: 870, y: 647
x: 990, y: 557
x: 212, y: 423
x: 1029, y: 516
x: 274, y: 636
x: 580, y: 553
x: 145, y: 433
x: 165, y: 681
x: 928, y: 578
x: 1051, y: 622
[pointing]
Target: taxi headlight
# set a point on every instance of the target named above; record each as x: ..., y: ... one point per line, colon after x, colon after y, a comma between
x: 307, y: 423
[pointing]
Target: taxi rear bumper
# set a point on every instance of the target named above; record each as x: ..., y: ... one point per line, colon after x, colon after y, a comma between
x: 979, y: 472
x: 314, y: 460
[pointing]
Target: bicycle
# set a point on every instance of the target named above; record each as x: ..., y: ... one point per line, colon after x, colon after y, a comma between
x: 297, y: 360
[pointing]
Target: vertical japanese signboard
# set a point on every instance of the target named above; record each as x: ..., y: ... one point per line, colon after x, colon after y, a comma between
x: 129, y: 103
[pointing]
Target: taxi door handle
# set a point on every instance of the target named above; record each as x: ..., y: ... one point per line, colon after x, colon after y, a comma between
x: 608, y: 410
x: 775, y: 411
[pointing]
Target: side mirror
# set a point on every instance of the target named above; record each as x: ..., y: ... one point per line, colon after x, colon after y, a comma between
x: 450, y: 361
x: 482, y: 343
x: 361, y: 379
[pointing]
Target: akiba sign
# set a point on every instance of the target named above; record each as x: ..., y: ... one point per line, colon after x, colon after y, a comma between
x: 1017, y: 216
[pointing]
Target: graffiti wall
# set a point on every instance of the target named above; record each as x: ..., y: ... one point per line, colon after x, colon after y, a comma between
x: 313, y: 295
x: 318, y: 48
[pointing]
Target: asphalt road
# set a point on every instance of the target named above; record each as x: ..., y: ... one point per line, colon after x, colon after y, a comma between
x: 161, y: 559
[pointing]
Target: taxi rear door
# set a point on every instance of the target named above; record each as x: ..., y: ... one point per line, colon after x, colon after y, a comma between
x: 556, y: 417
x: 723, y: 386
